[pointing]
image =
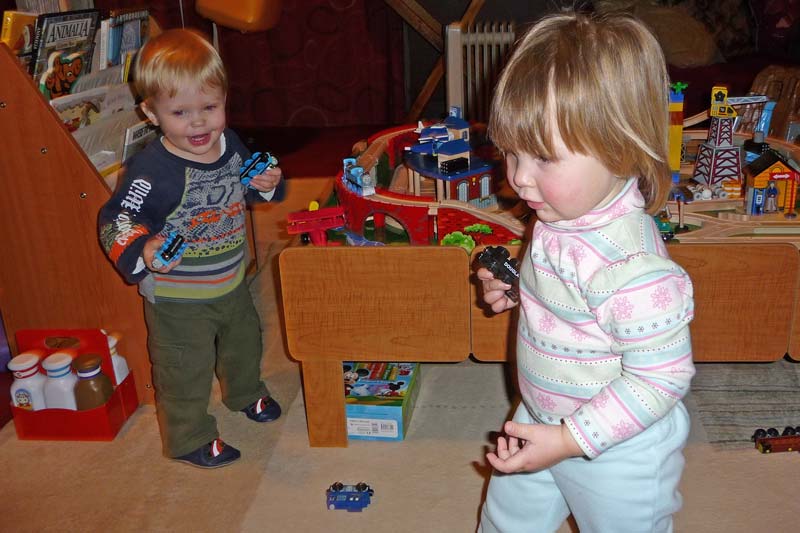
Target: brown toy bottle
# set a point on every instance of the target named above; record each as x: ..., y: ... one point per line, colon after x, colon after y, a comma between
x: 93, y: 388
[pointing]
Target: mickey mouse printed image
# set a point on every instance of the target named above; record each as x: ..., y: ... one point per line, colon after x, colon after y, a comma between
x: 351, y: 377
x: 361, y: 389
x: 393, y: 389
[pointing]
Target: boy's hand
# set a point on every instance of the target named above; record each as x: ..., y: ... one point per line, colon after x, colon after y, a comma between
x: 149, y: 253
x: 532, y: 447
x: 494, y: 291
x: 267, y: 180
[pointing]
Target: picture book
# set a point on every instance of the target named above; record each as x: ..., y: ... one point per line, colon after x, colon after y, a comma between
x: 86, y: 107
x: 39, y: 6
x: 127, y: 32
x: 71, y: 5
x: 17, y: 34
x: 62, y: 49
x: 100, y: 54
x: 98, y: 78
x: 137, y: 137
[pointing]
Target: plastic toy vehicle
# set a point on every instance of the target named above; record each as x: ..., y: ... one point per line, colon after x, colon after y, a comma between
x: 496, y: 259
x: 768, y: 441
x: 664, y: 225
x: 352, y: 498
x: 258, y: 163
x: 356, y: 179
x: 171, y: 250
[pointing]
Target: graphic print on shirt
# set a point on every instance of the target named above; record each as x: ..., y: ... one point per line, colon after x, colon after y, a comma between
x: 212, y: 211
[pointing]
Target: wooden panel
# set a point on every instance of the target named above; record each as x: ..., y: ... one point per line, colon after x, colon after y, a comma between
x: 744, y: 304
x: 378, y: 303
x: 324, y: 397
x: 493, y: 335
x: 55, y: 274
x: 744, y: 299
x: 418, y: 18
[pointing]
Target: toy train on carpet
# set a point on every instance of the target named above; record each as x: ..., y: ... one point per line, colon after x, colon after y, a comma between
x: 770, y: 441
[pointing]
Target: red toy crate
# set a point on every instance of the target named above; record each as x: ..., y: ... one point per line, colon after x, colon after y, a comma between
x: 98, y: 424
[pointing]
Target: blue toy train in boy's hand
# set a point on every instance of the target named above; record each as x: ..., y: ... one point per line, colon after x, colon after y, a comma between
x: 255, y: 165
x: 170, y: 251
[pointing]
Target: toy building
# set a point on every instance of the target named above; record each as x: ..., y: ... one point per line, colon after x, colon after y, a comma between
x: 771, y: 184
x: 441, y: 164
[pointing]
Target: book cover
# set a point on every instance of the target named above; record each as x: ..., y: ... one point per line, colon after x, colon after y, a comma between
x: 108, y: 76
x: 137, y: 137
x: 100, y: 54
x: 18, y: 32
x: 39, y: 6
x: 128, y: 29
x: 71, y: 5
x: 62, y: 49
x: 86, y: 107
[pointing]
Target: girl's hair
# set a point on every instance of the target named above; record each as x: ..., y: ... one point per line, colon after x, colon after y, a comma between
x: 602, y: 81
x: 175, y: 58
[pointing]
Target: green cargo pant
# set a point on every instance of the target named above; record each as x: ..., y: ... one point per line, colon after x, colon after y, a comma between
x: 189, y: 343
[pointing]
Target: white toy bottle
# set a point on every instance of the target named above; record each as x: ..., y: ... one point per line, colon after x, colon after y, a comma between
x: 59, y: 387
x: 27, y: 391
x: 119, y: 363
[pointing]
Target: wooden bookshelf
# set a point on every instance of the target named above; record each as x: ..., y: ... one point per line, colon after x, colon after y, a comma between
x: 55, y: 274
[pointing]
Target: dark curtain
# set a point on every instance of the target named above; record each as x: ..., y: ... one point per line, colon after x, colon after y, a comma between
x: 326, y: 63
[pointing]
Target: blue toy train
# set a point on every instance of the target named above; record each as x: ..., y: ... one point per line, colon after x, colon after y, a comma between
x: 356, y: 179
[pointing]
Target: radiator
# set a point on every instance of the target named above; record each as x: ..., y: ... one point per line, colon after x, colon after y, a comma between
x: 475, y: 58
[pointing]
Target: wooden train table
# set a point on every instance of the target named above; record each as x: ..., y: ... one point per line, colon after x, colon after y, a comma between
x: 420, y: 304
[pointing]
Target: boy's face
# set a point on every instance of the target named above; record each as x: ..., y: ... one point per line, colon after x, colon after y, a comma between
x: 192, y: 121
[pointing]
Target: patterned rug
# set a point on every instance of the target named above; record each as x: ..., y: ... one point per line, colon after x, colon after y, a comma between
x: 732, y: 400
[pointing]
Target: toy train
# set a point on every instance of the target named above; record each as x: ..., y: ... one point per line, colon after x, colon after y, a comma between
x: 356, y: 179
x: 769, y: 440
x: 496, y: 259
x: 170, y: 251
x: 352, y: 498
x: 255, y: 165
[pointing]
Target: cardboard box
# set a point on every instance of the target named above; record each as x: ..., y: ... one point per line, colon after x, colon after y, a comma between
x: 379, y: 399
x: 99, y: 424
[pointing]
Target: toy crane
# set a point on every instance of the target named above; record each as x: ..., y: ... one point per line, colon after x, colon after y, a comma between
x: 718, y: 159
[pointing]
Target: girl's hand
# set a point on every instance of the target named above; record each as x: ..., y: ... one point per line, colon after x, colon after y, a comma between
x: 494, y: 291
x: 532, y: 447
x: 267, y: 180
x: 149, y: 254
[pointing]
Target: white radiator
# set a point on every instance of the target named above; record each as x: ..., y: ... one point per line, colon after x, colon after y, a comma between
x: 475, y: 58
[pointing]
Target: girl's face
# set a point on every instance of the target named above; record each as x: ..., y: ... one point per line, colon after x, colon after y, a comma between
x: 192, y: 121
x: 565, y: 188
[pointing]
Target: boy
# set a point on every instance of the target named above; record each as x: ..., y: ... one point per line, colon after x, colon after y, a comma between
x: 199, y: 313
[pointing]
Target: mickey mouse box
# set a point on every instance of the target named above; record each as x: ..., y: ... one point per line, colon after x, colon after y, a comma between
x: 379, y: 399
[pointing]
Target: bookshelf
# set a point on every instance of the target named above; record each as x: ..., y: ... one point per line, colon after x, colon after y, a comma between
x: 54, y: 274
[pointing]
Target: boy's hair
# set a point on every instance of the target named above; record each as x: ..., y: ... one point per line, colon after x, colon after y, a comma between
x: 174, y: 58
x: 603, y: 81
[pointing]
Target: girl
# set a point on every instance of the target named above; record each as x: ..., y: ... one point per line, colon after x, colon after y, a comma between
x: 603, y: 348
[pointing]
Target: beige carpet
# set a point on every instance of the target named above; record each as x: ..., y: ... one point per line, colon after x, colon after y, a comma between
x: 732, y: 400
x: 431, y: 482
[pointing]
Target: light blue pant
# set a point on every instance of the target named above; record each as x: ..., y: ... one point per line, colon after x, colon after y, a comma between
x: 631, y: 487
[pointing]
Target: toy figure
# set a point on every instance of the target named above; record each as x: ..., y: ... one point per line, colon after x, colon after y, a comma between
x: 772, y: 198
x: 351, y: 376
